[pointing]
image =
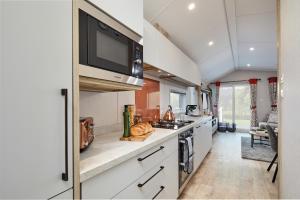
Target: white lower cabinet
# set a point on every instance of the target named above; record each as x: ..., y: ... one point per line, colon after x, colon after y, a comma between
x: 202, y: 141
x: 111, y: 182
x: 198, y: 146
x: 160, y: 182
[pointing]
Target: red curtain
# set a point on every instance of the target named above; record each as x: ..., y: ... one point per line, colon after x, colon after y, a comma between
x: 216, y: 104
x: 273, y: 92
x: 253, y: 96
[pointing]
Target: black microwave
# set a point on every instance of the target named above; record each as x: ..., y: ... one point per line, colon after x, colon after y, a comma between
x: 101, y: 46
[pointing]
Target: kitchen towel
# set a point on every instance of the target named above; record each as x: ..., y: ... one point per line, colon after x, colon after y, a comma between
x: 190, y: 165
x: 190, y: 145
x: 185, y: 156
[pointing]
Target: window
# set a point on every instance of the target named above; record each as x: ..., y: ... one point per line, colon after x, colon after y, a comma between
x: 235, y: 105
x: 204, y: 101
x: 178, y: 101
x: 226, y: 104
x: 242, y: 106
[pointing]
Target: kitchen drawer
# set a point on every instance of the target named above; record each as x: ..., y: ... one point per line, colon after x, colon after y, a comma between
x: 160, y: 182
x: 150, y: 158
x: 109, y: 183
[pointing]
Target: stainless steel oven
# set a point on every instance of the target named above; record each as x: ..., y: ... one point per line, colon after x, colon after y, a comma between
x: 103, y: 47
x: 185, y: 156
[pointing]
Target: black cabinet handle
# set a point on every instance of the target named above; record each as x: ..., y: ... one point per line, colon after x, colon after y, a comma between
x: 198, y: 126
x: 160, y: 148
x: 65, y: 175
x: 161, y: 189
x: 142, y: 184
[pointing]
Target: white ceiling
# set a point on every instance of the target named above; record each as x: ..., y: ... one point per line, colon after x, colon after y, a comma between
x: 233, y: 25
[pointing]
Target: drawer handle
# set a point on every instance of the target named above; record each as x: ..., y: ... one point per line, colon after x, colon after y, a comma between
x: 142, y: 184
x: 161, y: 189
x: 160, y: 148
x: 198, y: 126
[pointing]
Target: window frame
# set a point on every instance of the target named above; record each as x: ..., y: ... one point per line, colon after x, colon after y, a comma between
x: 180, y: 110
x: 233, y: 86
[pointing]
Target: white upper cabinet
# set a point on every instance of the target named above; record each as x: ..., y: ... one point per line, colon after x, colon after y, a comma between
x: 128, y: 12
x: 150, y: 44
x: 36, y: 63
x: 162, y: 53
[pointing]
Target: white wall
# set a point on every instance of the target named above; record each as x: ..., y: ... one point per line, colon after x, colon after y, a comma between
x: 106, y: 108
x: 263, y: 99
x: 1, y: 117
x: 165, y: 88
x: 289, y: 137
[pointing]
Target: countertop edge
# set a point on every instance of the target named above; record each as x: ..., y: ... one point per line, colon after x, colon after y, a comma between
x: 85, y: 175
x: 102, y: 168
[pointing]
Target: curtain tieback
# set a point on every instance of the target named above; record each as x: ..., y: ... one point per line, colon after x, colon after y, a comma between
x: 253, y: 107
x: 274, y: 106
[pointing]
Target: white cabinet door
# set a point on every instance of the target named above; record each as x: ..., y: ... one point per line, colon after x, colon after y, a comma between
x: 208, y: 136
x: 198, y: 148
x: 202, y: 141
x: 128, y: 12
x: 36, y: 63
x: 150, y: 45
x: 162, y: 53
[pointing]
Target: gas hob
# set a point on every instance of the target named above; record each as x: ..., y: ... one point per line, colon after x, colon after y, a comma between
x: 171, y: 124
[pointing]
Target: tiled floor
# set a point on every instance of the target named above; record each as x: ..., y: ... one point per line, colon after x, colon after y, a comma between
x: 224, y: 174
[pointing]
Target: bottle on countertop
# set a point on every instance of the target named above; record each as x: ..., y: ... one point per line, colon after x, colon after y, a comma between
x: 131, y: 110
x: 126, y: 116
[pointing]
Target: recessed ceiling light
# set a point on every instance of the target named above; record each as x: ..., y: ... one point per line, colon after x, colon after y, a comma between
x: 211, y: 43
x: 158, y: 71
x: 191, y: 6
x: 251, y: 49
x: 168, y: 74
x: 248, y: 65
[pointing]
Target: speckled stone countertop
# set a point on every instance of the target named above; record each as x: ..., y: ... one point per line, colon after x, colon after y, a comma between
x: 108, y: 151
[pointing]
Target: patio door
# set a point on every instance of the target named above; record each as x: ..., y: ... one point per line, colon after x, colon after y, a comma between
x: 234, y: 105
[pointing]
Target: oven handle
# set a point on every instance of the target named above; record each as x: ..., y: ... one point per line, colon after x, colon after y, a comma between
x: 160, y: 148
x: 183, y: 164
x: 182, y: 141
x: 65, y: 175
x: 142, y: 184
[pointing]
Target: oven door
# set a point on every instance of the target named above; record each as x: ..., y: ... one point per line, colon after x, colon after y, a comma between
x: 108, y: 49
